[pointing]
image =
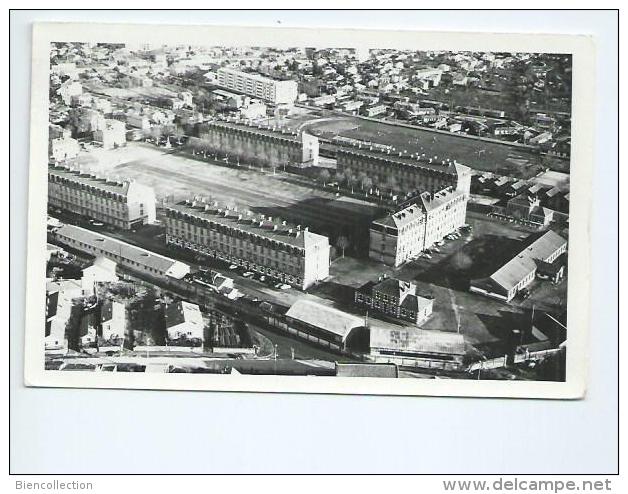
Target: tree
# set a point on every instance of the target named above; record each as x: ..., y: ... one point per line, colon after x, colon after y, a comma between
x: 352, y: 180
x: 324, y: 176
x: 342, y: 242
x: 367, y: 183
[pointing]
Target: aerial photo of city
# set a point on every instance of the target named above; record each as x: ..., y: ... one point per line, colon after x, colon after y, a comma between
x: 308, y: 212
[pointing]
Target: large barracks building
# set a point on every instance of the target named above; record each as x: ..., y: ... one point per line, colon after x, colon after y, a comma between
x: 261, y: 244
x: 403, y: 173
x: 257, y: 144
x: 124, y: 204
x: 403, y: 235
x: 437, y: 193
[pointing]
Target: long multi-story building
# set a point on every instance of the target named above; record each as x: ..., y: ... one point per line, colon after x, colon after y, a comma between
x: 404, y: 234
x: 256, y: 144
x: 403, y: 173
x: 293, y: 255
x: 272, y: 90
x: 125, y: 205
x: 129, y: 257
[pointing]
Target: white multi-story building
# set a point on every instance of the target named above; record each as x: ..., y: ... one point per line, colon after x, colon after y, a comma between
x: 122, y: 204
x: 291, y: 254
x: 63, y: 148
x: 403, y: 235
x: 112, y: 321
x: 112, y: 135
x: 184, y: 321
x: 401, y: 172
x: 59, y: 301
x: 258, y: 86
x: 102, y: 271
x: 260, y: 145
x: 68, y: 89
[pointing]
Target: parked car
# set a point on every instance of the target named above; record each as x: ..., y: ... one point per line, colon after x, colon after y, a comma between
x: 233, y: 266
x: 248, y: 274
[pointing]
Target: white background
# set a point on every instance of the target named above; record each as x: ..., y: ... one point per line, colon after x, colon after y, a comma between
x: 92, y: 431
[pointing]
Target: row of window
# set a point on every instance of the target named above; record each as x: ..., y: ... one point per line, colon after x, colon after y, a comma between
x: 209, y: 228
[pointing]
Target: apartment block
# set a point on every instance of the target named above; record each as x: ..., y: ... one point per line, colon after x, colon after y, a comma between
x: 293, y: 255
x: 63, y: 148
x: 404, y: 234
x: 275, y: 91
x: 125, y: 205
x: 403, y: 173
x: 112, y: 135
x: 251, y: 143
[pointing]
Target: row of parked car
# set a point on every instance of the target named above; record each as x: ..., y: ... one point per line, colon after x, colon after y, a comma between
x: 260, y: 277
x: 464, y: 230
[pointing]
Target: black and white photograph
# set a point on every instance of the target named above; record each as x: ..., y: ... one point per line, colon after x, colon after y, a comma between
x: 254, y: 210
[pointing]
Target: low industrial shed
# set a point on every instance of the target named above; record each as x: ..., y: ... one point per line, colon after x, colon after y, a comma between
x: 319, y: 323
x: 521, y: 270
x: 411, y: 347
x: 129, y: 256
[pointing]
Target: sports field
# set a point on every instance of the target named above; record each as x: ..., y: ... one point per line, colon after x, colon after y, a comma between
x: 480, y: 155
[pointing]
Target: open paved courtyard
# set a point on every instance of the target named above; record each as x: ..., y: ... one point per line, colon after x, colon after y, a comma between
x: 175, y: 177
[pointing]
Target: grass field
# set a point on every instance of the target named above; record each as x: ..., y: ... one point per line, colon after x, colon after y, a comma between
x: 480, y: 155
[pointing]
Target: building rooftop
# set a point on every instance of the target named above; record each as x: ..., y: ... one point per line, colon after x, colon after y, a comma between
x: 418, y: 341
x: 431, y: 202
x: 366, y: 370
x: 116, y: 247
x: 425, y: 202
x: 254, y: 75
x: 263, y: 226
x: 511, y: 273
x: 180, y: 312
x: 323, y: 316
x: 414, y: 160
x: 416, y: 303
x: 257, y: 129
x: 76, y: 176
x: 393, y: 287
